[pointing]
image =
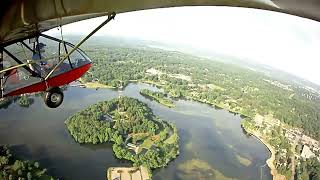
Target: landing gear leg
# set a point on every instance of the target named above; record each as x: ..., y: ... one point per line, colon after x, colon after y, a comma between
x: 53, y: 97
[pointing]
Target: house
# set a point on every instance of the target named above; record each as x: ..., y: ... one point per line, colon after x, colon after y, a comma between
x: 307, y: 153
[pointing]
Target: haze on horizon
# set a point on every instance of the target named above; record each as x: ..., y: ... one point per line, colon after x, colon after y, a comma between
x: 283, y: 41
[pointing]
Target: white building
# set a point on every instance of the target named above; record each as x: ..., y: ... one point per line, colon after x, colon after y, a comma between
x: 307, y: 153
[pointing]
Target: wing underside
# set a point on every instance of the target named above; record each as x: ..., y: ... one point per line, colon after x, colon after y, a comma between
x: 21, y: 19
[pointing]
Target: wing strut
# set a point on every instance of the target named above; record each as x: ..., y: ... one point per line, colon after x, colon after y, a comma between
x: 33, y: 73
x: 25, y: 45
x: 110, y: 17
x: 1, y: 74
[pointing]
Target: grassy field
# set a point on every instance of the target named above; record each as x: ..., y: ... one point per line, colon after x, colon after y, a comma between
x: 147, y: 144
x: 171, y: 139
x: 95, y: 85
x: 166, y: 103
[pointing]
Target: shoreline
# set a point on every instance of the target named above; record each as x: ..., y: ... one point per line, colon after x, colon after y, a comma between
x: 271, y: 159
x: 159, y: 100
x: 95, y: 85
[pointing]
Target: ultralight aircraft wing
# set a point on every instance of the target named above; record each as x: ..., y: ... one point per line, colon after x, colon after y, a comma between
x: 21, y: 19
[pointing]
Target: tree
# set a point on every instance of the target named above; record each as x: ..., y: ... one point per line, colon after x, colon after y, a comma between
x: 14, y: 167
x: 29, y: 176
x: 36, y: 164
x: 4, y: 160
x: 17, y: 165
x: 19, y: 172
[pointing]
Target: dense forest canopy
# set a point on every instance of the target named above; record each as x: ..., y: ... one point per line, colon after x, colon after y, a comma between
x: 12, y: 168
x: 137, y: 135
x: 227, y: 85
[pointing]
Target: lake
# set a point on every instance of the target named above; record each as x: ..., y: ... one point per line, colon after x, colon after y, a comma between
x: 210, y: 139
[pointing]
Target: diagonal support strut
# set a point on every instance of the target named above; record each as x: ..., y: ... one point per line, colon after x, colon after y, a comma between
x: 110, y: 17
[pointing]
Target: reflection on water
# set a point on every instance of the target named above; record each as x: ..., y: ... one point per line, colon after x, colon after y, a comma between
x: 210, y: 138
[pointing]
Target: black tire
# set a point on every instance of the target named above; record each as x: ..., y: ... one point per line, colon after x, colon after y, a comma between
x: 53, y: 97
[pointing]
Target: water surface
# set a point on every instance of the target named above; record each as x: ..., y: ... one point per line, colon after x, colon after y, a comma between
x: 207, y: 134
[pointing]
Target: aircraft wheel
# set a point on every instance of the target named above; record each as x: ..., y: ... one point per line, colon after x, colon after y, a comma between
x: 54, y: 97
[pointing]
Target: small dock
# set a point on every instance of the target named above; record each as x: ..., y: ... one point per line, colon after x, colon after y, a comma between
x: 78, y: 85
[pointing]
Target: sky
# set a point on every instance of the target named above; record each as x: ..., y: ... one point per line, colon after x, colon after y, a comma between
x: 283, y: 41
